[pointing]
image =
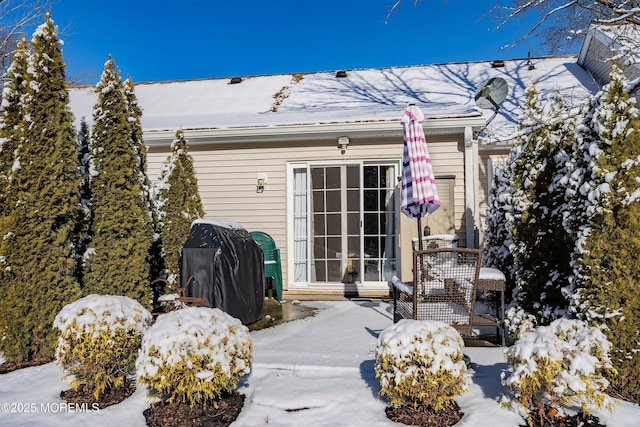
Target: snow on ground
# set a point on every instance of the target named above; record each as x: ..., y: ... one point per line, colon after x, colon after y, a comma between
x: 315, y: 372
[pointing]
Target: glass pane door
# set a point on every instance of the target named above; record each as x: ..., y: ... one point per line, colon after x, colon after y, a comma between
x: 344, y: 223
x: 380, y: 215
x: 336, y: 223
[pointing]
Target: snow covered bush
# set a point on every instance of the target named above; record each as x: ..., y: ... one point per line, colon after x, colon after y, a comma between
x: 526, y: 237
x: 420, y: 362
x: 194, y: 355
x: 559, y: 368
x: 99, y: 340
x: 519, y: 321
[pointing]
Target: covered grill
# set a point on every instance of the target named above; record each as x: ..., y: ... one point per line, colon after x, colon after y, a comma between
x: 221, y: 263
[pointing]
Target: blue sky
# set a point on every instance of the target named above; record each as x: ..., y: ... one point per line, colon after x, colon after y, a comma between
x: 187, y: 39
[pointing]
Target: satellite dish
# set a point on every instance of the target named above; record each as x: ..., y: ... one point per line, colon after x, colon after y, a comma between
x: 491, y: 94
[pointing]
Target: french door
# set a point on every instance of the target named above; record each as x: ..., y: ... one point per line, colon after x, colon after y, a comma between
x: 344, y: 223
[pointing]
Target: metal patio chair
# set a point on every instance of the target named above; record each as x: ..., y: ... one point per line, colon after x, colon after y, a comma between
x: 444, y: 288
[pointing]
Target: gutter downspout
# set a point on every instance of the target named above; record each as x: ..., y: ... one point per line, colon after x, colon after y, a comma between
x: 471, y: 180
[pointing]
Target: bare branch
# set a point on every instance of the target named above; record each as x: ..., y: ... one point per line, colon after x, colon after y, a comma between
x: 560, y: 23
x: 394, y: 7
x: 15, y: 16
x: 540, y: 22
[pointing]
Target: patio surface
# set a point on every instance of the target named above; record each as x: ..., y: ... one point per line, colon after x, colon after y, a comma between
x: 322, y: 366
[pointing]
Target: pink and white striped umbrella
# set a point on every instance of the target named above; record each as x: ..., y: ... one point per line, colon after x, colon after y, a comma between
x: 419, y: 195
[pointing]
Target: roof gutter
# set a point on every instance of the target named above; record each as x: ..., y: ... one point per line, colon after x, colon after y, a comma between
x: 309, y: 131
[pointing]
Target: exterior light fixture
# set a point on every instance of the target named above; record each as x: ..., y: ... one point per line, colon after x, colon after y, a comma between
x: 235, y: 80
x: 343, y: 143
x: 341, y: 74
x: 262, y: 180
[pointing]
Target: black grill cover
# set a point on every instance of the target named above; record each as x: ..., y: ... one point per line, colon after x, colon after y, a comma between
x: 227, y: 268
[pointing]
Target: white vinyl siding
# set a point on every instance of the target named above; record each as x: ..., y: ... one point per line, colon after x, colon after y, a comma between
x: 228, y: 175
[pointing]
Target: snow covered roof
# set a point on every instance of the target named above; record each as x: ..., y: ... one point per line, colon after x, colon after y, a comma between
x: 443, y: 92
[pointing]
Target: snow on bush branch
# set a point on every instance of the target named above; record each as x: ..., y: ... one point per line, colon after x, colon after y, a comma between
x: 194, y: 355
x: 99, y: 340
x: 420, y: 363
x: 559, y: 367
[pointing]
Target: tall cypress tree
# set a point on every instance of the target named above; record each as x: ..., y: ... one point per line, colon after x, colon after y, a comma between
x: 527, y: 234
x: 510, y: 198
x: 542, y: 257
x: 117, y: 262
x: 137, y: 142
x: 43, y: 224
x: 12, y: 124
x: 609, y: 269
x: 178, y: 200
x: 12, y: 115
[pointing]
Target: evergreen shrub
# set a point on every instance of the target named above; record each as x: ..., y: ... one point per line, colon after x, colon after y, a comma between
x: 559, y: 369
x: 178, y: 202
x: 194, y: 355
x: 39, y: 232
x: 99, y: 340
x: 420, y: 363
x: 608, y: 270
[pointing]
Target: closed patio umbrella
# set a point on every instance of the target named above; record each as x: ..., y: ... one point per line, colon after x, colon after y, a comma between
x: 419, y: 193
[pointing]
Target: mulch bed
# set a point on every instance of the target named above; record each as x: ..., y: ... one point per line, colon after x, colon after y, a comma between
x: 579, y: 420
x: 424, y: 416
x: 179, y: 414
x: 84, y: 394
x: 7, y: 367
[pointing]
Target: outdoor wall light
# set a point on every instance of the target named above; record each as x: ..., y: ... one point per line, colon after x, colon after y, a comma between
x: 343, y: 143
x: 262, y: 180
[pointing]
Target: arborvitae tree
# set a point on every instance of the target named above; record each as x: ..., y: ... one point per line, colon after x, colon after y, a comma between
x: 137, y: 141
x: 178, y: 200
x: 14, y: 97
x: 509, y: 199
x: 117, y: 262
x: 607, y: 286
x: 12, y: 125
x: 543, y: 245
x: 43, y: 224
